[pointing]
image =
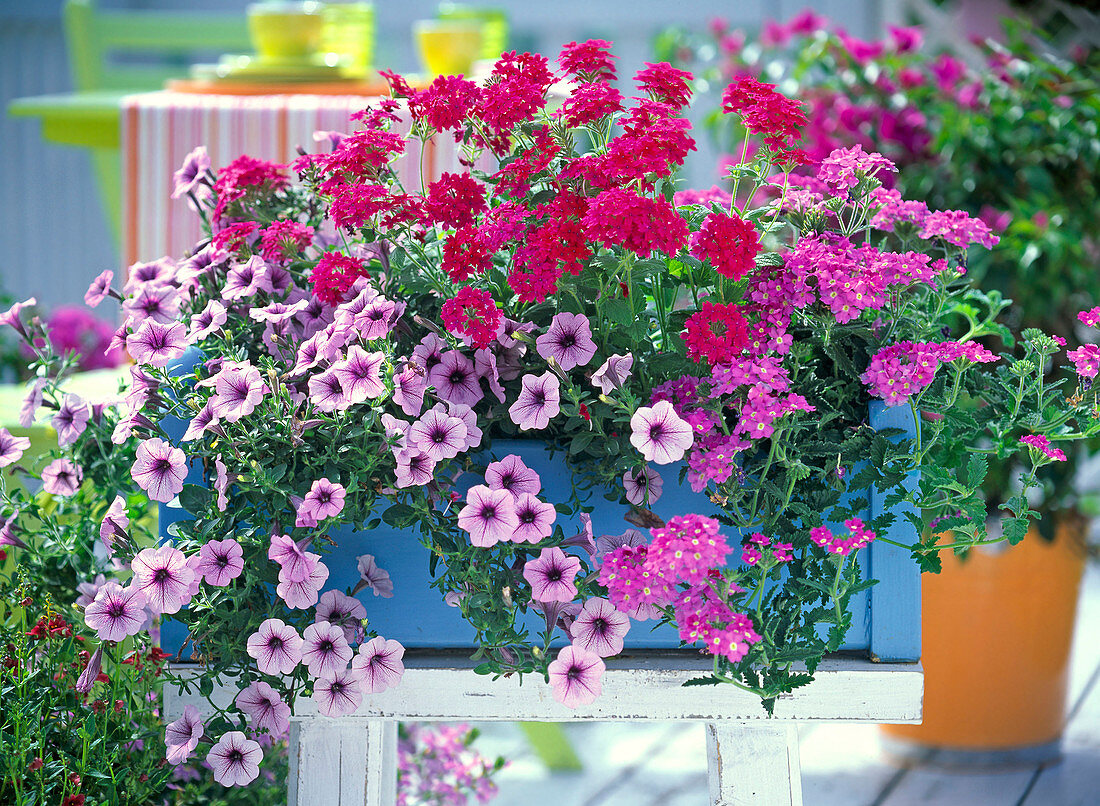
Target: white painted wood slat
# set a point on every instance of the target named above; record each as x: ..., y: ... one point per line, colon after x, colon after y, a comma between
x: 753, y: 765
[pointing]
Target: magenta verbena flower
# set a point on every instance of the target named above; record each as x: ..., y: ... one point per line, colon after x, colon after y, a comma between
x: 221, y: 561
x: 276, y: 647
x: 11, y: 447
x: 687, y: 548
x: 600, y: 628
x: 325, y: 651
x: 338, y: 695
x: 62, y: 477
x: 324, y: 500
x: 117, y: 612
x: 235, y: 759
x: 159, y: 469
x: 71, y: 419
x: 568, y: 341
x: 1042, y: 444
x: 539, y: 401
x: 378, y: 665
x: 575, y: 676
x: 608, y: 543
x: 265, y: 708
x: 536, y: 519
x: 513, y: 475
x: 551, y: 576
x: 489, y: 516
x: 659, y: 433
x: 156, y: 343
x: 162, y: 574
x: 182, y: 736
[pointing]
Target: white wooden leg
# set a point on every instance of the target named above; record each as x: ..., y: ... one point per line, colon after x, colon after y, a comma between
x: 752, y: 764
x: 342, y: 762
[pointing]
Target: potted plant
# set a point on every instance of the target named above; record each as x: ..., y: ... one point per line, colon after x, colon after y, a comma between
x: 1013, y: 143
x: 509, y: 375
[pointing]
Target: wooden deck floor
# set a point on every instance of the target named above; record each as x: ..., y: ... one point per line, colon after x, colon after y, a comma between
x: 658, y: 764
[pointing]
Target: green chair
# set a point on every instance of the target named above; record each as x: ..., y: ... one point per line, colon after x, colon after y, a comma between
x: 158, y: 45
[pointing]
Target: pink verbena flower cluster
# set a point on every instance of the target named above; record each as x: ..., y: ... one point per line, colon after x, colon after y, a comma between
x: 858, y: 536
x: 897, y: 372
x: 436, y: 764
x: 1043, y: 446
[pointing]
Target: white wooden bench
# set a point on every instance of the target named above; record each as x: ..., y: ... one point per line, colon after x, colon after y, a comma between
x: 752, y: 759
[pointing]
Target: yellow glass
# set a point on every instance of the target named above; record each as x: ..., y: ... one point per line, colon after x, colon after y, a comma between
x: 447, y: 48
x: 494, y: 26
x: 285, y: 31
x: 349, y: 35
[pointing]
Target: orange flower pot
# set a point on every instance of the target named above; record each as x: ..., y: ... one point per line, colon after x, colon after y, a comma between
x: 997, y: 627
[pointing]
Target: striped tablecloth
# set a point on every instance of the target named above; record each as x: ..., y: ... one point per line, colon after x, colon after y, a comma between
x: 160, y: 128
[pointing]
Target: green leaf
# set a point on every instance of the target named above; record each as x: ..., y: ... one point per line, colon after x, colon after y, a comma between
x: 1015, y: 529
x: 195, y: 499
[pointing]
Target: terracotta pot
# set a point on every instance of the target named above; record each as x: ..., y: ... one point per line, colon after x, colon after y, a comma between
x: 997, y: 626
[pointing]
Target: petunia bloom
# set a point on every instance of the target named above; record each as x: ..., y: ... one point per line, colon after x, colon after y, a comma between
x: 156, y: 343
x: 117, y: 612
x: 513, y: 475
x: 325, y: 499
x: 538, y: 403
x: 276, y: 647
x: 325, y: 650
x: 182, y: 736
x: 190, y: 174
x: 62, y: 477
x: 344, y: 611
x: 71, y: 419
x: 359, y: 375
x: 568, y: 341
x: 536, y: 519
x: 221, y: 561
x: 600, y: 628
x: 99, y: 288
x: 11, y: 447
x: 238, y: 389
x: 439, y: 435
x: 551, y: 576
x: 489, y: 516
x: 613, y: 373
x: 235, y: 759
x: 659, y: 433
x: 164, y: 577
x: 378, y: 665
x: 575, y: 676
x: 338, y: 695
x: 303, y: 593
x: 642, y: 487
x: 373, y: 577
x: 159, y: 469
x: 265, y: 708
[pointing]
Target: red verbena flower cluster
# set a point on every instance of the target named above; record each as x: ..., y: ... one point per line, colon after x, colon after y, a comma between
x: 472, y: 312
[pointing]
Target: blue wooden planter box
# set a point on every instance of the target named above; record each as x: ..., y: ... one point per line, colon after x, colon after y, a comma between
x: 885, y: 619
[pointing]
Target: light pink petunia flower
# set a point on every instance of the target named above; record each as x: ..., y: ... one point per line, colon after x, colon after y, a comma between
x: 324, y: 500
x: 438, y: 434
x: 11, y: 448
x: 209, y: 319
x: 489, y: 516
x: 7, y: 532
x: 221, y: 561
x: 575, y: 676
x: 378, y: 665
x: 296, y: 563
x: 238, y: 389
x: 373, y: 577
x: 568, y: 341
x: 359, y: 374
x: 248, y: 279
x: 536, y: 519
x: 511, y: 474
x: 325, y: 650
x: 99, y: 289
x: 115, y: 523
x: 600, y: 628
x: 455, y: 379
x: 157, y: 344
x: 302, y: 594
x: 642, y: 487
x: 160, y: 303
x: 338, y: 695
x: 31, y: 403
x: 62, y: 477
x: 182, y: 736
x: 189, y: 175
x: 88, y: 590
x: 265, y: 708
x: 539, y: 401
x: 235, y: 759
x: 276, y: 647
x: 163, y: 576
x: 71, y: 419
x: 205, y: 420
x: 327, y: 393
x: 659, y: 433
x: 344, y: 611
x: 159, y: 469
x: 117, y: 612
x: 613, y: 373
x: 551, y: 576
x: 13, y: 316
x: 409, y: 386
x: 414, y: 468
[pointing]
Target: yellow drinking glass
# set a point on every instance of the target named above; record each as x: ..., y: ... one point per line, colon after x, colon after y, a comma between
x: 349, y: 35
x: 285, y: 31
x: 494, y: 26
x: 447, y: 47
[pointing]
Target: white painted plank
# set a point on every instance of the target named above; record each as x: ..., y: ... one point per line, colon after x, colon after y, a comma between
x: 934, y: 788
x: 639, y: 688
x: 340, y: 762
x: 753, y: 764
